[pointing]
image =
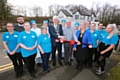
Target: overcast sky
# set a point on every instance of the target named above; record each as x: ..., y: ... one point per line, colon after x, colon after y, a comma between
x: 45, y: 3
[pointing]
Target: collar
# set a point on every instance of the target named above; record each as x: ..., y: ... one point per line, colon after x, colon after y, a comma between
x: 20, y: 25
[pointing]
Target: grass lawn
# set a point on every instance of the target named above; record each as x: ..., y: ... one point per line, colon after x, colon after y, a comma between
x: 115, y: 73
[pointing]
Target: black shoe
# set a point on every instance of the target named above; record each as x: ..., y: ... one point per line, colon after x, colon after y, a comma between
x: 24, y: 66
x: 62, y: 58
x: 32, y: 75
x: 80, y: 68
x: 69, y: 63
x: 47, y: 71
x: 76, y: 67
x: 54, y: 64
x: 20, y: 75
x: 34, y: 71
x: 61, y: 64
x: 17, y: 75
x: 39, y: 64
x: 66, y: 63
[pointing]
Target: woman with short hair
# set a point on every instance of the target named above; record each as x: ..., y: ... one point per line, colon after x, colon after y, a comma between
x: 13, y: 50
x: 27, y: 41
x: 44, y: 45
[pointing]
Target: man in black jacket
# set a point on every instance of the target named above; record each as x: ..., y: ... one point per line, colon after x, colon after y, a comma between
x: 19, y: 27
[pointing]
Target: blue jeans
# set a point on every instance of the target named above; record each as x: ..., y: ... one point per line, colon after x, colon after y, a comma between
x: 45, y: 59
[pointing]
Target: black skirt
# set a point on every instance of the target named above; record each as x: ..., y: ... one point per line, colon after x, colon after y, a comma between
x: 81, y: 53
x: 102, y: 47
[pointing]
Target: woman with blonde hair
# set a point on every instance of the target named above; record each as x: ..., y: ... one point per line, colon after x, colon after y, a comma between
x: 82, y: 46
x: 108, y: 42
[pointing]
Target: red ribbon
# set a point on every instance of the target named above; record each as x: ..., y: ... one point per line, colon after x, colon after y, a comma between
x: 71, y: 42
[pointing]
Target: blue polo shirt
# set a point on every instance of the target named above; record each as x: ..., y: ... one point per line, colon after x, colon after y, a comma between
x: 100, y: 33
x: 11, y: 40
x: 45, y: 42
x: 29, y: 40
x: 94, y: 38
x: 110, y: 40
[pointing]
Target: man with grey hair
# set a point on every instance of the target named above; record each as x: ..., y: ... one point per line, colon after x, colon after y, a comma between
x: 56, y: 32
x: 69, y: 33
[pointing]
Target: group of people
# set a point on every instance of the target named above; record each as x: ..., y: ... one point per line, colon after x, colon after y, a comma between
x: 28, y: 44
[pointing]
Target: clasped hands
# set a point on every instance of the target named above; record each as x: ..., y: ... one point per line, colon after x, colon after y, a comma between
x: 61, y: 39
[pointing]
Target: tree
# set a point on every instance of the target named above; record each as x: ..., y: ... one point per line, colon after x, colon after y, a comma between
x: 5, y: 11
x: 54, y: 9
x: 37, y: 11
x: 109, y: 14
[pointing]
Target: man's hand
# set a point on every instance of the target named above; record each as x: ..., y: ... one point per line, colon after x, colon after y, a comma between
x: 78, y: 43
x: 74, y: 49
x: 90, y: 46
x: 57, y: 40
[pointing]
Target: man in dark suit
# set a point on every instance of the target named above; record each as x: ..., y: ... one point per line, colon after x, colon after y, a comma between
x: 56, y: 31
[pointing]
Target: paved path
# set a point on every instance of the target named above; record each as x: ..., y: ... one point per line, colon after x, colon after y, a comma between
x: 62, y: 73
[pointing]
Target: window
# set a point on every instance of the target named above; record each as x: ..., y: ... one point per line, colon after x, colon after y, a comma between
x: 91, y: 18
x: 82, y: 17
x: 76, y: 17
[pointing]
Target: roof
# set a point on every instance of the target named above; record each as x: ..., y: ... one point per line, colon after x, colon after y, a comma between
x: 66, y: 12
x: 84, y: 12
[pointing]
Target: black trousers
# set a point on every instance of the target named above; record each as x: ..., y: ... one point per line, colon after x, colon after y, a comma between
x: 92, y: 51
x: 30, y: 63
x: 59, y: 48
x: 17, y: 62
x: 45, y: 59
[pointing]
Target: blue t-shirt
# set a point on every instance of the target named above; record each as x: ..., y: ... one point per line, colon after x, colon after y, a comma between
x: 100, y: 33
x: 94, y: 38
x: 11, y: 40
x: 29, y: 40
x: 110, y: 40
x: 45, y: 42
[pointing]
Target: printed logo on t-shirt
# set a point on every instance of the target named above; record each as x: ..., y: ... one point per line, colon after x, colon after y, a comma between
x: 15, y: 36
x: 24, y: 37
x: 7, y: 36
x: 95, y: 34
x: 45, y: 38
x: 103, y: 36
x: 33, y: 36
x: 108, y: 37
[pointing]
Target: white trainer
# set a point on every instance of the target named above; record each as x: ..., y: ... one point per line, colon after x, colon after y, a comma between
x: 98, y: 69
x: 100, y: 72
